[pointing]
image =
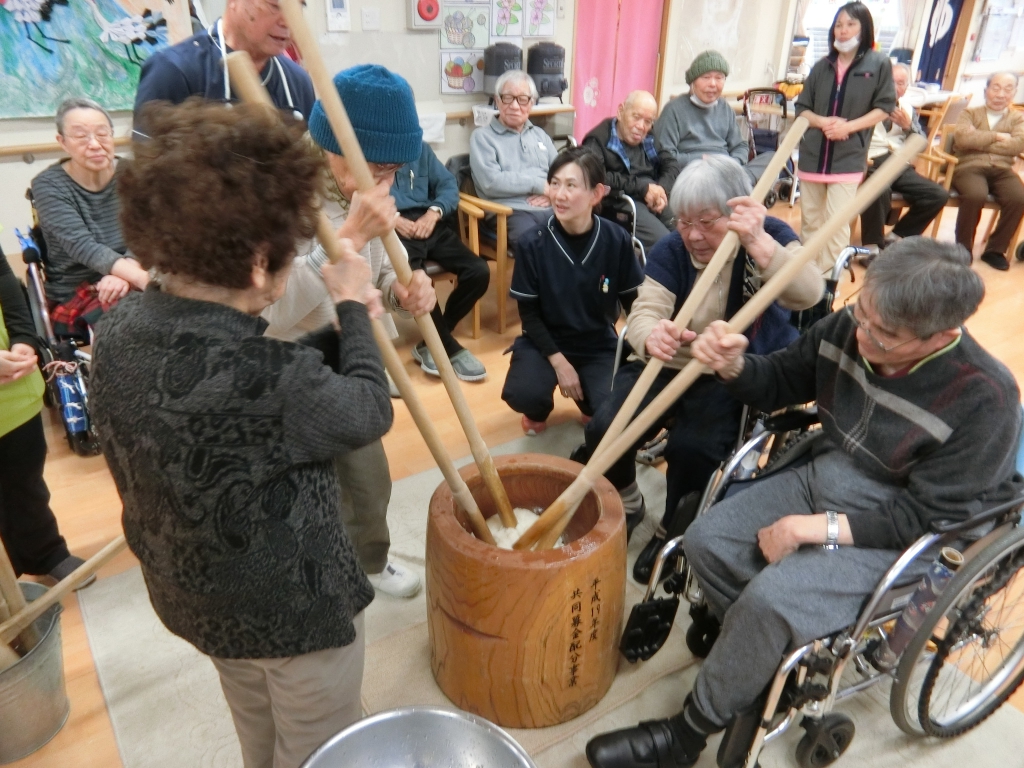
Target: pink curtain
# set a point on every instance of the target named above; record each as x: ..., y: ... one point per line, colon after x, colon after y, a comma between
x: 616, y: 52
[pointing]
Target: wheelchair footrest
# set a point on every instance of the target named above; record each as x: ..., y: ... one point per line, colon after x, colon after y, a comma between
x: 648, y: 627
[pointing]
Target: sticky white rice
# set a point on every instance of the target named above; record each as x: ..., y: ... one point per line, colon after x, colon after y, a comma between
x: 506, y: 537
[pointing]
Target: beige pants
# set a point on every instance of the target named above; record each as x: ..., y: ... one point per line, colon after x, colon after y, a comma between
x: 818, y: 204
x: 285, y: 708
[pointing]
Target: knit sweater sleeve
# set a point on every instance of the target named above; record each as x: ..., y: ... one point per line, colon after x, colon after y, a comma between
x: 329, y: 413
x: 667, y: 128
x: 785, y: 377
x: 739, y: 148
x: 968, y: 136
x: 654, y: 303
x: 970, y: 471
x: 57, y: 201
x: 16, y: 316
x: 444, y: 189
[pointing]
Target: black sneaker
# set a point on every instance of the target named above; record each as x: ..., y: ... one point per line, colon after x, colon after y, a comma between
x: 652, y: 744
x: 995, y: 260
x: 66, y: 567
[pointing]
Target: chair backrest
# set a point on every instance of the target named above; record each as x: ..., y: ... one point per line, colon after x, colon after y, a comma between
x: 948, y: 115
x: 458, y: 166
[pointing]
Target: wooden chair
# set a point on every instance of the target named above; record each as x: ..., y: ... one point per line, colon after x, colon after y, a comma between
x: 470, y: 237
x: 489, y: 244
x: 944, y: 114
x: 941, y: 163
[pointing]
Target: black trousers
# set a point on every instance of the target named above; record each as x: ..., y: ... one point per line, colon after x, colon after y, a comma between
x: 27, y: 525
x: 706, y: 423
x: 531, y: 381
x: 471, y: 272
x: 926, y: 198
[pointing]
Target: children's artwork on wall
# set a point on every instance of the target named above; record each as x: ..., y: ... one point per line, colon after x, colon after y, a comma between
x: 465, y: 26
x: 462, y: 72
x: 51, y: 50
x: 540, y: 18
x: 507, y: 18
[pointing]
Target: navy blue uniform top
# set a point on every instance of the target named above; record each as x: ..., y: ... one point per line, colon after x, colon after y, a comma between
x: 195, y: 67
x: 577, y: 295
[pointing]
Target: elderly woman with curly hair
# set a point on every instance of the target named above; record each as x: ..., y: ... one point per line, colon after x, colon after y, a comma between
x: 220, y: 439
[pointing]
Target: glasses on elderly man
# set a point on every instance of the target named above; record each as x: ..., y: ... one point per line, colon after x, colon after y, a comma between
x: 866, y: 327
x: 702, y: 225
x: 508, y: 98
x: 84, y: 137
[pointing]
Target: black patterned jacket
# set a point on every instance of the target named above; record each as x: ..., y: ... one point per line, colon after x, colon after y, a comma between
x: 220, y: 442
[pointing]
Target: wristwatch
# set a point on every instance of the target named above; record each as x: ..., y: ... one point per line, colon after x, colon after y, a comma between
x: 440, y: 212
x: 832, y: 532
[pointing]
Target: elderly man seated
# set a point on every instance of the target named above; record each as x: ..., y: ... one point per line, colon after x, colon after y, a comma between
x: 635, y: 164
x: 920, y: 424
x: 510, y: 156
x: 710, y: 198
x: 987, y: 141
x: 926, y: 199
x: 702, y: 123
x: 89, y: 268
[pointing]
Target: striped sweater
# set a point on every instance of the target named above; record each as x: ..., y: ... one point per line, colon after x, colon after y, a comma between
x: 81, y: 229
x: 946, y: 433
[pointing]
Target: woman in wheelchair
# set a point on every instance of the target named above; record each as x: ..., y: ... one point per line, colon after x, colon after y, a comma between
x: 919, y: 425
x: 88, y: 267
x: 710, y: 198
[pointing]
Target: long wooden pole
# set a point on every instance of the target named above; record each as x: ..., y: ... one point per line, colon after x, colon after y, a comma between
x: 250, y: 89
x: 15, y: 600
x: 723, y: 255
x: 14, y: 626
x: 342, y: 127
x: 557, y: 516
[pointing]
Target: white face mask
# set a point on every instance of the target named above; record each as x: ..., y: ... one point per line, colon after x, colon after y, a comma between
x: 847, y: 46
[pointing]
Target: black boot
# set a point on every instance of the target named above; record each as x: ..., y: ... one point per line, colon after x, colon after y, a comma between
x: 670, y: 743
x: 672, y: 525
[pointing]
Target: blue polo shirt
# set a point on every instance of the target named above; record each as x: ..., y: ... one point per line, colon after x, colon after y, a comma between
x: 195, y: 67
x: 577, y: 294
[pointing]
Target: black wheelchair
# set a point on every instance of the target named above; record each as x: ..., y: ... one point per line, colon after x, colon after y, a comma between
x: 64, y: 363
x: 964, y: 661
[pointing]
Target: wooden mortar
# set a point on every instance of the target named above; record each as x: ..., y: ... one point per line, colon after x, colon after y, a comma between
x: 526, y: 639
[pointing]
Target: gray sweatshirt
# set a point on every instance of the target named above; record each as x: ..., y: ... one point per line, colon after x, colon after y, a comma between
x: 689, y: 131
x: 507, y: 166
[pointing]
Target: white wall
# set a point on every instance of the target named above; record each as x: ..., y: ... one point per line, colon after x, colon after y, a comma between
x: 415, y: 55
x: 753, y: 35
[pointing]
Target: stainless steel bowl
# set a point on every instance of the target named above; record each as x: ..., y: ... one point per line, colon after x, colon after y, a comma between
x: 421, y: 737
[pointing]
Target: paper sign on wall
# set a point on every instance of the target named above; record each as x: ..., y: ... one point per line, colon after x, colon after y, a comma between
x: 465, y: 26
x: 507, y: 18
x: 462, y: 72
x: 540, y: 18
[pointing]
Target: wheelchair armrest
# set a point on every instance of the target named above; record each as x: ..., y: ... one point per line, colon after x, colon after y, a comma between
x: 1006, y: 509
x: 788, y: 421
x: 630, y: 202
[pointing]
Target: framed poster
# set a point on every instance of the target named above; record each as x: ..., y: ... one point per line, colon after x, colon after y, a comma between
x: 462, y: 72
x: 464, y: 26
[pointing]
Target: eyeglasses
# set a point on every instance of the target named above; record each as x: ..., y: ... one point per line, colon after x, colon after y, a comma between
x: 702, y: 225
x: 866, y: 327
x: 523, y: 101
x: 381, y: 170
x: 84, y: 137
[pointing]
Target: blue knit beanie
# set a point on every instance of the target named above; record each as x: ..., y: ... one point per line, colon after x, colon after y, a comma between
x: 382, y: 109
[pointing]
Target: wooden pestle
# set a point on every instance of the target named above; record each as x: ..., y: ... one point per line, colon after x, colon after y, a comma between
x: 248, y: 86
x: 557, y: 516
x: 15, y: 601
x: 342, y: 127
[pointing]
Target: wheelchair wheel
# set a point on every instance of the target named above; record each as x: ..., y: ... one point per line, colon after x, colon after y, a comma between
x: 968, y: 656
x: 825, y: 740
x: 702, y: 633
x: 770, y: 199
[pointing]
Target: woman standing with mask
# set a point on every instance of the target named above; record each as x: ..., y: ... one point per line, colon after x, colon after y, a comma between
x: 845, y: 95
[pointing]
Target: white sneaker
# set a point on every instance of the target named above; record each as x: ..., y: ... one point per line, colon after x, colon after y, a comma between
x: 395, y: 580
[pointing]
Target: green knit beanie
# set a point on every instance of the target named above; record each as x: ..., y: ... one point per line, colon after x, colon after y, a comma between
x: 707, y: 61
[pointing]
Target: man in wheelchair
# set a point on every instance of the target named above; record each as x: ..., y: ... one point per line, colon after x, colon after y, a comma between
x: 919, y: 424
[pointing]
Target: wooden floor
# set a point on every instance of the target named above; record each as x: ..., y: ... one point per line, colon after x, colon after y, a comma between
x: 88, y: 508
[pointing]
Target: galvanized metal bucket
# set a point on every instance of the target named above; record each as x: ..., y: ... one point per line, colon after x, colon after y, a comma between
x: 33, y: 702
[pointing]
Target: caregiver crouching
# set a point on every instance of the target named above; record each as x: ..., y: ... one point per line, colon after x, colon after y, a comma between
x: 221, y: 440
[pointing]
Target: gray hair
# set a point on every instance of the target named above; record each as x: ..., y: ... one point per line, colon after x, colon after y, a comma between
x: 516, y: 77
x: 904, y: 67
x: 994, y: 75
x: 709, y: 183
x: 78, y: 103
x: 924, y: 285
